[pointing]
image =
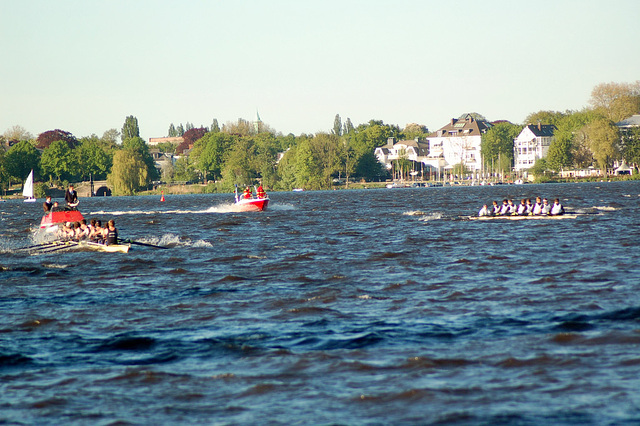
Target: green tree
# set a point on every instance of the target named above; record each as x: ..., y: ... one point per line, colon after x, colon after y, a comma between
x: 215, y: 128
x: 130, y: 128
x: 184, y: 170
x: 138, y: 144
x: 209, y: 153
x: 110, y: 138
x: 565, y: 149
x: 603, y: 138
x: 631, y: 145
x: 546, y: 117
x: 239, y: 165
x: 496, y: 146
x: 337, y: 126
x: 93, y: 159
x: 129, y: 173
x: 58, y: 161
x: 415, y: 131
x: 172, y: 133
x: 20, y: 159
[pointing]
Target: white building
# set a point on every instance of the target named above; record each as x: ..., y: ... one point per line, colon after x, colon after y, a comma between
x: 457, y: 142
x: 532, y: 143
x: 412, y: 150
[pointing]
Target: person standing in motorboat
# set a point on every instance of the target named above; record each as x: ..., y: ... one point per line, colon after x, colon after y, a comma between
x: 260, y: 192
x: 71, y: 198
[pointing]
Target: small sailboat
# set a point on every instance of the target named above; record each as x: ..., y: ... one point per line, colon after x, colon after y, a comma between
x: 28, y: 189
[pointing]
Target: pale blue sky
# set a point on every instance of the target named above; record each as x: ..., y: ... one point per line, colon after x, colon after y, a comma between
x: 83, y: 66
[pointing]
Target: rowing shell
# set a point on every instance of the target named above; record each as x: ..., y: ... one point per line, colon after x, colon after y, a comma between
x: 541, y: 217
x: 111, y: 248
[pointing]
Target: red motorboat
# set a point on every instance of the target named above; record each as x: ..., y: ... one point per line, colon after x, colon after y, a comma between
x: 248, y: 203
x: 252, y: 204
x: 54, y: 218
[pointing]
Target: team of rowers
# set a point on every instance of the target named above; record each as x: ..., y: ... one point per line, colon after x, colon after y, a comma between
x: 526, y: 208
x: 93, y: 232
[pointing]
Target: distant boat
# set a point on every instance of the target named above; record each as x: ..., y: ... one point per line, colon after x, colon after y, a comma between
x: 28, y: 189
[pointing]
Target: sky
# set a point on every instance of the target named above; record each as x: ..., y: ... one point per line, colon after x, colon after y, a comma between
x: 83, y: 66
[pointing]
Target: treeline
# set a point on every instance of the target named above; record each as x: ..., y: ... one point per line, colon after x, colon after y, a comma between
x: 589, y: 137
x: 246, y: 152
x: 240, y: 153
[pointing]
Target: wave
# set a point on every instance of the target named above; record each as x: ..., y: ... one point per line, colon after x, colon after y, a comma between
x: 173, y: 240
x: 220, y: 208
x: 430, y: 217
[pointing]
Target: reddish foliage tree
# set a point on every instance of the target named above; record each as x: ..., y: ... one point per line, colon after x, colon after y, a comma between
x: 44, y: 139
x: 190, y: 137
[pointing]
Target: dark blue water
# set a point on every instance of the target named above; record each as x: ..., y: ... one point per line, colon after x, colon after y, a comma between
x: 343, y: 307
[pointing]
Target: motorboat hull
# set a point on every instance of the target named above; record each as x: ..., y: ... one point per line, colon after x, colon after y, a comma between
x: 251, y: 204
x: 58, y: 217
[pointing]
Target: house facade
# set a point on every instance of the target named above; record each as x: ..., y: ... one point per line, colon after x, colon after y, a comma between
x: 532, y: 143
x: 457, y: 142
x: 412, y: 150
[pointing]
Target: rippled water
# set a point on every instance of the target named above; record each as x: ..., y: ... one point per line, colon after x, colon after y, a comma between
x: 349, y: 307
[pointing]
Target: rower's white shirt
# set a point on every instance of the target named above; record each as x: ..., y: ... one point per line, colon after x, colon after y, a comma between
x: 537, y: 208
x: 546, y: 208
x: 484, y: 211
x: 504, y: 209
x: 556, y: 208
x: 522, y: 209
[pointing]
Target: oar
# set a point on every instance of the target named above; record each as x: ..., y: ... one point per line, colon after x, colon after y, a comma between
x: 38, y: 246
x: 142, y: 244
x: 65, y: 245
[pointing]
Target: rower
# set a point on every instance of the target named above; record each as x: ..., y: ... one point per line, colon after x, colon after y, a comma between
x: 546, y: 208
x: 504, y: 210
x: 112, y: 233
x: 529, y: 207
x: 556, y: 208
x: 537, y: 207
x: 495, y: 211
x: 484, y: 211
x: 522, y: 208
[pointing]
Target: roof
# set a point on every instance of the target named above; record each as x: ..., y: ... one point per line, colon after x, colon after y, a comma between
x: 468, y: 126
x: 632, y: 121
x: 542, y: 130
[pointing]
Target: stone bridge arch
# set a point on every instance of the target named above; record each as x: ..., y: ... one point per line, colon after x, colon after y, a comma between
x: 97, y: 188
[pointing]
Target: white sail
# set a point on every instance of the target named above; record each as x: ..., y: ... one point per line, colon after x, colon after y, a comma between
x: 28, y: 188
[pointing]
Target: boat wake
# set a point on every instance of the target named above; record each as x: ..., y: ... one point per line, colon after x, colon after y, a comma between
x: 173, y: 240
x: 430, y: 217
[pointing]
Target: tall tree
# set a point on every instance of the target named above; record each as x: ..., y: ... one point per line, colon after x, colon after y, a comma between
x: 93, y: 159
x: 566, y: 147
x: 414, y: 130
x: 497, y: 145
x: 110, y: 138
x: 130, y: 128
x: 546, y: 117
x: 347, y: 127
x: 138, y: 145
x: 616, y: 101
x: 337, y: 126
x: 215, y: 128
x: 17, y: 133
x: 46, y: 138
x: 172, y: 133
x: 603, y: 139
x: 20, y: 159
x: 129, y: 172
x: 210, y: 152
x: 58, y: 161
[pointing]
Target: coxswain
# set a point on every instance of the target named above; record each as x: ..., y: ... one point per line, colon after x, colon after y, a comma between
x: 71, y: 197
x: 247, y: 193
x: 546, y: 207
x: 484, y: 211
x: 260, y: 192
x: 47, y: 205
x: 537, y: 207
x: 556, y: 208
x: 112, y: 233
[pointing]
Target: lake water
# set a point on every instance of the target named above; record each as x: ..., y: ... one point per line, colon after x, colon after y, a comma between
x: 383, y: 306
